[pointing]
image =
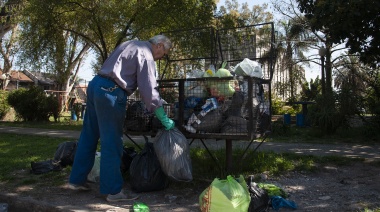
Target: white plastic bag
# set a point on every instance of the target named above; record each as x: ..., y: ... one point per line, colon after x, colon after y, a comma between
x: 94, y: 174
x: 250, y: 68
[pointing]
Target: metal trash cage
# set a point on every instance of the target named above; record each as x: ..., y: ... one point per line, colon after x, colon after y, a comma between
x: 255, y: 42
x: 218, y: 108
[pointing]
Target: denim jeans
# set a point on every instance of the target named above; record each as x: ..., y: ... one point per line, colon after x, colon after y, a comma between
x: 104, y: 119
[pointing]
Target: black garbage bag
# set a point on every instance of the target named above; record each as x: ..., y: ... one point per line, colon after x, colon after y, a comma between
x: 46, y: 166
x: 210, y: 123
x: 235, y: 107
x: 65, y: 153
x: 137, y: 118
x: 145, y: 171
x: 128, y: 154
x: 234, y: 124
x: 173, y: 152
x: 260, y: 201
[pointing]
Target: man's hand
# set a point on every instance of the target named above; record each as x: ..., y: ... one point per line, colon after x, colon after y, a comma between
x: 161, y: 115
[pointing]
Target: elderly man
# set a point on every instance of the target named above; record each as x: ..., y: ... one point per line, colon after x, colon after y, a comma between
x: 130, y: 65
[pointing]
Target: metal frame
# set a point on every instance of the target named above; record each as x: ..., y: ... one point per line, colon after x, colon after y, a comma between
x: 222, y: 50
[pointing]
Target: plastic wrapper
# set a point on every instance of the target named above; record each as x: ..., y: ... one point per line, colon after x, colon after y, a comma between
x: 94, y: 175
x: 225, y: 195
x: 248, y: 67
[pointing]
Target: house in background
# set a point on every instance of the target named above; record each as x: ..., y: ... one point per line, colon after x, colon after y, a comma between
x: 16, y: 80
x: 41, y: 79
x: 25, y: 79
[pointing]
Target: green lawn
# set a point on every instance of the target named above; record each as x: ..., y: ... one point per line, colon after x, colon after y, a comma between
x: 18, y: 151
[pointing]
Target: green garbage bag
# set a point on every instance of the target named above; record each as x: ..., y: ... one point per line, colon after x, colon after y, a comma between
x: 225, y: 195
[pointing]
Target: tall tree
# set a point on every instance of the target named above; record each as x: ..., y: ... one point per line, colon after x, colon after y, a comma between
x: 232, y: 14
x: 8, y: 35
x: 57, y: 34
x: 360, y: 82
x: 356, y: 22
x: 293, y: 42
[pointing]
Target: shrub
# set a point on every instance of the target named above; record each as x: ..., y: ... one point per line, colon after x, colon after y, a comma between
x: 325, y: 115
x: 33, y: 104
x: 279, y: 107
x: 4, y: 106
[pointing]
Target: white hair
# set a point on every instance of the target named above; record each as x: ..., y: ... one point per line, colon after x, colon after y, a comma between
x: 161, y: 39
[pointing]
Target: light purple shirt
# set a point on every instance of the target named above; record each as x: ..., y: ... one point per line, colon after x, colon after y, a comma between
x: 131, y: 65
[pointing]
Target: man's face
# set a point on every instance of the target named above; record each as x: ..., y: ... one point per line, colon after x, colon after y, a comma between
x: 160, y: 52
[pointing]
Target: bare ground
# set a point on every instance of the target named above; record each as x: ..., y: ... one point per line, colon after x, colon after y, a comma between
x: 334, y: 188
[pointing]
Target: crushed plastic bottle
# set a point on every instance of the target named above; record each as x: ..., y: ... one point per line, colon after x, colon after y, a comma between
x: 140, y: 207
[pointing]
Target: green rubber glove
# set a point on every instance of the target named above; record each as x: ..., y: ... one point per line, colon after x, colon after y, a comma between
x: 161, y: 115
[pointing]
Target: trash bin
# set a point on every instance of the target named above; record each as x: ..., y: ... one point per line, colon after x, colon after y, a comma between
x: 287, y: 119
x: 300, y: 118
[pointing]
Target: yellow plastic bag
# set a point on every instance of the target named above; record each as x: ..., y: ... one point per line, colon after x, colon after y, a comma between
x: 225, y: 195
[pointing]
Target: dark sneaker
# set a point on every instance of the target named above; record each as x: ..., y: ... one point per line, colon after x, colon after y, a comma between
x: 83, y: 187
x: 122, y: 196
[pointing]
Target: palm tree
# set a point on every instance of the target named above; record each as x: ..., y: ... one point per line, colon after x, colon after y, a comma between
x: 293, y: 43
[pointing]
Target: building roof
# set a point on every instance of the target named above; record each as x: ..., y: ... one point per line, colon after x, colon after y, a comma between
x: 42, y: 78
x: 18, y: 76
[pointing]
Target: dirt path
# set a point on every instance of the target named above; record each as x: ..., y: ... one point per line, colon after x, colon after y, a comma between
x: 370, y: 152
x: 348, y: 188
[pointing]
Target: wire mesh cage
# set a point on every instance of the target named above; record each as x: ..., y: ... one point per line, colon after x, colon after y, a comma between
x: 193, y: 49
x: 207, y: 89
x: 255, y: 42
x: 225, y: 108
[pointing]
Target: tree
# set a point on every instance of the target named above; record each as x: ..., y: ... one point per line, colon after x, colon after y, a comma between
x: 235, y: 15
x: 355, y: 22
x: 293, y: 41
x: 8, y: 35
x: 361, y: 83
x: 48, y: 47
x: 57, y: 34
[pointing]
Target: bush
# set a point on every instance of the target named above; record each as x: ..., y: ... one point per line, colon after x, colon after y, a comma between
x: 33, y: 104
x: 279, y: 107
x: 326, y: 115
x: 4, y: 106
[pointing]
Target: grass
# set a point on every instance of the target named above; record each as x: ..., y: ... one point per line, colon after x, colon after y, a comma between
x: 293, y: 134
x: 18, y: 151
x: 64, y: 123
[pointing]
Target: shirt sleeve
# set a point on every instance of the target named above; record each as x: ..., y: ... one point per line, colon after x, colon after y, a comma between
x: 147, y: 84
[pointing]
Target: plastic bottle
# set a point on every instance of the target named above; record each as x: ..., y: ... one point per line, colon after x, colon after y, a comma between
x: 140, y: 207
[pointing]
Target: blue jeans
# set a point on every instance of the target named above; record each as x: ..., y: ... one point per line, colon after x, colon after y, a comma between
x: 104, y: 119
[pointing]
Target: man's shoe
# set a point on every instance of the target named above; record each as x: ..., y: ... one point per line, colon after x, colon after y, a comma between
x: 122, y: 196
x: 83, y: 187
